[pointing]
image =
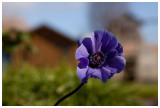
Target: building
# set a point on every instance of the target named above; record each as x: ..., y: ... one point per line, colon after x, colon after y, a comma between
x: 52, y: 49
x: 126, y: 29
x: 141, y: 58
x: 147, y: 64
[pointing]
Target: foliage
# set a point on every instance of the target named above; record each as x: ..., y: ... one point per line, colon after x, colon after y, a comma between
x: 14, y: 40
x: 28, y: 85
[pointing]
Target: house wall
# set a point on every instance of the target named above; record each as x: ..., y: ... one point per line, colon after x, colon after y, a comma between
x: 147, y: 65
x: 48, y: 54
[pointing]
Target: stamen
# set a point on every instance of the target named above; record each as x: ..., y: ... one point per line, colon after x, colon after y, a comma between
x: 96, y: 59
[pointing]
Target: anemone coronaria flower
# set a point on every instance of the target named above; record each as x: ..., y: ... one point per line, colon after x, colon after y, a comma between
x: 100, y: 56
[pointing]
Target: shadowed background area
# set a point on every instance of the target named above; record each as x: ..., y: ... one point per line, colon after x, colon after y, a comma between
x: 38, y: 52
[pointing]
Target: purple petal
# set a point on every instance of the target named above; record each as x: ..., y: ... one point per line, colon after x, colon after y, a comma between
x: 83, y: 63
x: 110, y: 71
x: 81, y: 73
x: 101, y: 74
x: 89, y: 71
x: 81, y: 52
x: 79, y: 42
x: 105, y: 75
x: 111, y: 54
x: 96, y: 74
x: 88, y: 44
x: 109, y: 42
x: 119, y: 50
x: 96, y: 40
x: 111, y: 75
x: 118, y: 62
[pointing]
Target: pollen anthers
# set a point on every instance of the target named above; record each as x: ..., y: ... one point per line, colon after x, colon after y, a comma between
x: 96, y: 59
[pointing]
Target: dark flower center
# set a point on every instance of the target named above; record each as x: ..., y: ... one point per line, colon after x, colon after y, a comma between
x: 96, y: 59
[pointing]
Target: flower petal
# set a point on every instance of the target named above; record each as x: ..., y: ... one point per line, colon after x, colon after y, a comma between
x: 111, y: 54
x: 111, y: 71
x: 118, y: 62
x: 96, y: 74
x: 83, y: 63
x: 101, y: 74
x: 119, y: 49
x: 96, y: 40
x: 79, y: 42
x: 88, y: 44
x: 81, y: 73
x: 89, y: 71
x: 109, y: 42
x: 105, y: 75
x: 81, y: 52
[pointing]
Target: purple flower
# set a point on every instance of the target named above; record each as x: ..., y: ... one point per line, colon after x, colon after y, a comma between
x: 100, y: 56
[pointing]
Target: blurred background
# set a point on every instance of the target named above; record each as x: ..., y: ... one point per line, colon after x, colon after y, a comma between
x: 38, y: 52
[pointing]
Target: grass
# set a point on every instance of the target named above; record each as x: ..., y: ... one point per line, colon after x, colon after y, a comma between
x: 28, y: 85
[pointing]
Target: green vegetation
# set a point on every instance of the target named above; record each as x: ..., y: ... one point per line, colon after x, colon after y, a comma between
x: 14, y: 40
x: 28, y: 85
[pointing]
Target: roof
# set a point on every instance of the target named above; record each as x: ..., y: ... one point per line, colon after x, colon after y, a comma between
x: 53, y: 36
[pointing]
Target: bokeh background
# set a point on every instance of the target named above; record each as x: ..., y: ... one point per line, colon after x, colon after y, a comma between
x: 38, y: 52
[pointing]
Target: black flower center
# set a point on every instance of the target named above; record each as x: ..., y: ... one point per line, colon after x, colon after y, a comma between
x: 96, y: 59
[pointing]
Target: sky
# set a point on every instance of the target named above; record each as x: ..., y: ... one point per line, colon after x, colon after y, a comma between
x: 72, y: 19
x: 148, y: 14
